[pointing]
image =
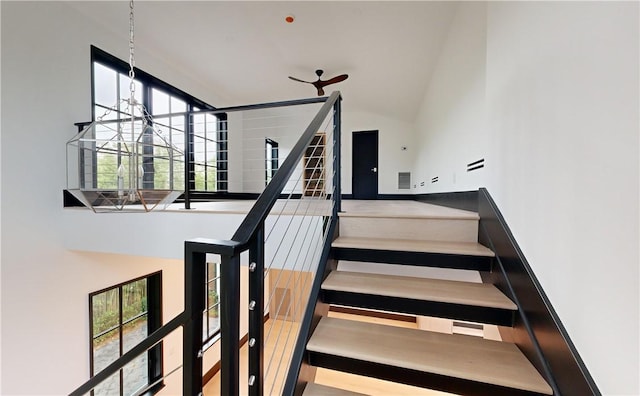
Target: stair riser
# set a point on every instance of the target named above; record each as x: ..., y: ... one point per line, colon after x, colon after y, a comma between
x: 476, y: 263
x: 412, y: 377
x: 446, y: 230
x: 496, y: 316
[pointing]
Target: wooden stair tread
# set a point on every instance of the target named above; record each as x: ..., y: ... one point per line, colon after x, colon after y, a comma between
x: 402, y: 209
x: 457, y: 356
x: 391, y: 215
x: 456, y: 292
x: 313, y: 389
x: 460, y: 248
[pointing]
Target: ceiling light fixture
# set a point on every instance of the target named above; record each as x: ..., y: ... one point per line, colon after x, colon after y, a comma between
x: 124, y: 161
x: 289, y: 18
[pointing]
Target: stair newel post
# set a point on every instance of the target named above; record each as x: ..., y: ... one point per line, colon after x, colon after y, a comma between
x: 337, y: 188
x: 194, y: 300
x: 256, y: 313
x: 230, y: 324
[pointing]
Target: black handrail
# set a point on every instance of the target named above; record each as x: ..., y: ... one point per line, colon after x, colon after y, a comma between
x: 222, y: 110
x: 271, y: 193
x: 248, y: 236
x: 131, y: 354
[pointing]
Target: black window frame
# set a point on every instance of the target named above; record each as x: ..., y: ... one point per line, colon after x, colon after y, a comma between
x: 155, y: 360
x: 149, y: 82
x: 271, y: 145
x: 211, y: 335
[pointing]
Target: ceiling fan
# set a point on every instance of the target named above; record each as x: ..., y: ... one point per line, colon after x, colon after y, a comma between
x: 320, y: 84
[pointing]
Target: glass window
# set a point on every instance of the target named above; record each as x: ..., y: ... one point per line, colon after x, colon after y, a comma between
x: 211, y: 317
x: 121, y: 317
x: 167, y: 105
x: 206, y: 146
x: 271, y: 159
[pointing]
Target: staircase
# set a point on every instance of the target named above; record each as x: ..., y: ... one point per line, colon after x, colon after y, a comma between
x: 402, y: 237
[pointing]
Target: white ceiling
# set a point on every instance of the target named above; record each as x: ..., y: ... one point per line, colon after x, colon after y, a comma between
x: 246, y: 50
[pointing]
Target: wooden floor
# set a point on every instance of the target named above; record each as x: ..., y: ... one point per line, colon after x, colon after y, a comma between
x: 350, y: 207
x: 336, y: 379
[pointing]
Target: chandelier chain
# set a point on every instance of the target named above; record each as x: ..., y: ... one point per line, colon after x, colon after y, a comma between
x: 132, y: 62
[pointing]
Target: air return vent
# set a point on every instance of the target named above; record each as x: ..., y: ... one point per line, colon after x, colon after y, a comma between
x: 475, y: 165
x: 404, y: 180
x: 434, y: 179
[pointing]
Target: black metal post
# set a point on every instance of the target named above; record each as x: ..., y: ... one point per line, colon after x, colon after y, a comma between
x: 230, y: 325
x: 188, y: 160
x: 337, y: 185
x: 256, y: 313
x: 194, y: 305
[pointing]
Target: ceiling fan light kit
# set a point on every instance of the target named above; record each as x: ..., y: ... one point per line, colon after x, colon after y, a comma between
x: 320, y: 84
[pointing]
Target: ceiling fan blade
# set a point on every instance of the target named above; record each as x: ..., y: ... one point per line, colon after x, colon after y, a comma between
x: 299, y: 80
x: 334, y: 80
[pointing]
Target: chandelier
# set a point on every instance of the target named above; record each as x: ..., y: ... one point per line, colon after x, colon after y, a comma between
x: 125, y: 164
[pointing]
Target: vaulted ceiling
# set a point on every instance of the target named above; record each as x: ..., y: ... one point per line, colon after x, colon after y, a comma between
x: 246, y: 50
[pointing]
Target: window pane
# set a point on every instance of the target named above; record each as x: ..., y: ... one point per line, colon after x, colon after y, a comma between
x: 160, y: 102
x: 178, y: 176
x: 199, y: 124
x: 198, y: 177
x: 134, y: 299
x: 213, y: 320
x: 105, y: 114
x: 125, y: 89
x: 161, y: 168
x: 211, y: 154
x: 212, y: 124
x: 135, y: 375
x: 178, y: 106
x: 108, y: 387
x: 106, y: 349
x: 162, y: 123
x: 212, y: 271
x: 212, y: 294
x: 105, y: 311
x: 212, y: 177
x: 105, y: 85
x: 134, y: 332
x: 177, y: 123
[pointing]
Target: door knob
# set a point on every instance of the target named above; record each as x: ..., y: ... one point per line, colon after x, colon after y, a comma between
x: 374, y: 170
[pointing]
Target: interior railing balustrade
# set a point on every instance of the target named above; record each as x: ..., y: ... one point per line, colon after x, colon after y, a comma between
x: 284, y: 238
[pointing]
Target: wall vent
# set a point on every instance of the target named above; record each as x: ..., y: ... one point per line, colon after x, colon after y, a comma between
x: 475, y: 165
x: 404, y: 180
x: 434, y: 179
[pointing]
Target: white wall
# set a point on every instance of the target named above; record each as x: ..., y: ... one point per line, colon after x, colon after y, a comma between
x: 235, y: 147
x: 450, y: 128
x: 393, y: 134
x: 45, y: 89
x: 560, y: 139
x: 284, y: 125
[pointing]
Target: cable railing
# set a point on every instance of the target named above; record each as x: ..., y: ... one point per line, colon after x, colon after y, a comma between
x: 289, y: 221
x: 222, y: 151
x: 286, y: 235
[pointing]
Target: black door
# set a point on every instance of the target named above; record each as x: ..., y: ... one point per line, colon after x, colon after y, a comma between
x: 365, y: 165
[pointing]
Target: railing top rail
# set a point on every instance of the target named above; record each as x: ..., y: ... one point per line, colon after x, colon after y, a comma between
x: 128, y: 357
x: 229, y: 109
x: 271, y: 193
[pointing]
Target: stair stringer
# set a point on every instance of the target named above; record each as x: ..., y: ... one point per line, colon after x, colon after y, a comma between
x: 537, y: 329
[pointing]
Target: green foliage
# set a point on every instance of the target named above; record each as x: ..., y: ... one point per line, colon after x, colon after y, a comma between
x: 106, y: 306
